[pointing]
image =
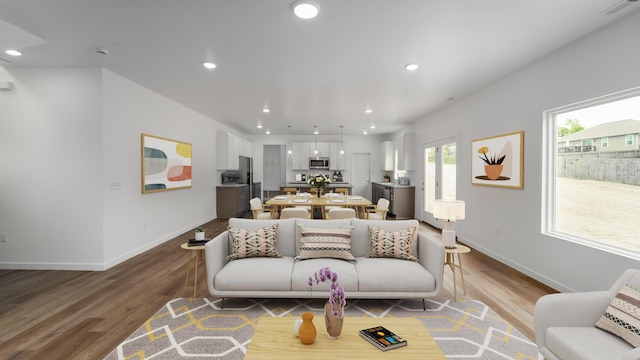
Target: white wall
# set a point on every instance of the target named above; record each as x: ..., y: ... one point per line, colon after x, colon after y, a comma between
x: 51, y: 169
x: 67, y: 136
x: 604, y: 62
x: 134, y: 222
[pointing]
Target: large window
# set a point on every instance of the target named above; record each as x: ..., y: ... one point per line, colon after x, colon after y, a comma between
x: 592, y: 194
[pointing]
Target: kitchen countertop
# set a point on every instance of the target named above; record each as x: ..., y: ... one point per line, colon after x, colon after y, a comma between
x: 393, y: 185
x: 232, y: 185
x: 306, y: 184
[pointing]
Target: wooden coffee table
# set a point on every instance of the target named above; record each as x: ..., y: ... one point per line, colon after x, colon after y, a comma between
x: 274, y: 339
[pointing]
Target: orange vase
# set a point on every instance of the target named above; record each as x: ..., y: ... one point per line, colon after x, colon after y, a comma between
x: 493, y: 171
x: 307, y: 332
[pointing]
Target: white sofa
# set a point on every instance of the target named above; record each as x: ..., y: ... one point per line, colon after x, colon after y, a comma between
x: 565, y: 325
x: 370, y: 278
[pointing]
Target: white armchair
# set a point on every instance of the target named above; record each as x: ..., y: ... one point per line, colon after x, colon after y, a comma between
x: 565, y: 325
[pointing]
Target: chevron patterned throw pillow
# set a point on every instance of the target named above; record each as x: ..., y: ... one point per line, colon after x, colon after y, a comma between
x: 261, y: 242
x: 392, y: 244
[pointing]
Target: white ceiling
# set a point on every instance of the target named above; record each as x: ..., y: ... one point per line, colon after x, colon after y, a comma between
x: 325, y: 71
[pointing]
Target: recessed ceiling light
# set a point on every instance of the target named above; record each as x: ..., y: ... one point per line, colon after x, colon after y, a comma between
x: 368, y: 111
x: 13, y: 52
x: 265, y: 110
x: 268, y: 132
x: 411, y: 67
x: 305, y: 9
x: 259, y: 125
x: 364, y: 132
x: 209, y: 65
x: 373, y: 126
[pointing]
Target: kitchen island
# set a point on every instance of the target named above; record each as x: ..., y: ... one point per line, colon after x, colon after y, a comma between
x: 304, y: 186
x: 401, y: 198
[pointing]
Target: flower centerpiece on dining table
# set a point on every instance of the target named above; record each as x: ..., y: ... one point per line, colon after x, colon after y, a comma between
x: 319, y: 181
x: 334, y: 307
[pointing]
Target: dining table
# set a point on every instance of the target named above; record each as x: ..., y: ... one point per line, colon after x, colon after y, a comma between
x: 358, y: 202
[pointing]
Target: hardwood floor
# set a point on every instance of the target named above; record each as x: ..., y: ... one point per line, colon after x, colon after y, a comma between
x: 84, y: 314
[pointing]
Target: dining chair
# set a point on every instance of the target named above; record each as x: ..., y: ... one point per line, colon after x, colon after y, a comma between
x: 342, y: 213
x: 259, y: 210
x: 294, y: 212
x: 290, y: 190
x: 379, y: 212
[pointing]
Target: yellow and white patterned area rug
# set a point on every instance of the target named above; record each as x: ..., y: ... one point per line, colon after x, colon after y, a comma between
x: 201, y: 328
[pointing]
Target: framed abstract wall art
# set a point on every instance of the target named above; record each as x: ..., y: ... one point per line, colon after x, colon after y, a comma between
x: 166, y: 164
x: 498, y: 161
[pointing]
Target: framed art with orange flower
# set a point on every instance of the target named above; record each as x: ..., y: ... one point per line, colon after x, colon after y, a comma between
x: 498, y: 161
x: 166, y: 164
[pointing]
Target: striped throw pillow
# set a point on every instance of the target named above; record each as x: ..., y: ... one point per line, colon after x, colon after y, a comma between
x: 259, y: 243
x: 622, y: 317
x: 325, y: 243
x: 392, y: 244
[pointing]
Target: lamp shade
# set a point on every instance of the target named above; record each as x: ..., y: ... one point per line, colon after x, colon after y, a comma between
x: 450, y: 210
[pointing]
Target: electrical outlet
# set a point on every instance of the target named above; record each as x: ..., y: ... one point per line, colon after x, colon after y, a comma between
x: 4, y: 237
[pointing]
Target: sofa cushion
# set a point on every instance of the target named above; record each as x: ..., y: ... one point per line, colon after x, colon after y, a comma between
x: 347, y: 274
x: 622, y: 317
x: 255, y: 274
x: 325, y: 243
x: 258, y: 243
x: 286, y: 232
x: 389, y: 275
x: 319, y: 224
x: 392, y: 244
x: 360, y: 242
x: 585, y: 343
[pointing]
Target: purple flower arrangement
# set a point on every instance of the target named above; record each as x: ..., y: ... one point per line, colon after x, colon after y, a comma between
x: 337, y: 292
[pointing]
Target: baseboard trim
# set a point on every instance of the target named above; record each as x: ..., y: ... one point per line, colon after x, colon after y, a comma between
x: 126, y: 256
x: 98, y: 266
x: 523, y: 269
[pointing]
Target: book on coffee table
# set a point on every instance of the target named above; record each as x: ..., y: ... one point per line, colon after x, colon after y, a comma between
x: 382, y: 338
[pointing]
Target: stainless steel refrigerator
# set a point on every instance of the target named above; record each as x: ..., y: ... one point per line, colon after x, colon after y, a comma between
x: 245, y: 167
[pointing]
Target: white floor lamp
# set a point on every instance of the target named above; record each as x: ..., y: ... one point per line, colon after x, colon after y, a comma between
x: 448, y: 211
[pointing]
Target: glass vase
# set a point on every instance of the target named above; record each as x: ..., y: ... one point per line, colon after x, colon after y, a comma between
x: 332, y: 321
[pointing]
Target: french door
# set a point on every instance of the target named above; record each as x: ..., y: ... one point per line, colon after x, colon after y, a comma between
x: 439, y: 166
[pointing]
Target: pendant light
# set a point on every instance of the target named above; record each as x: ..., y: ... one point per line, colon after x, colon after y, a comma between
x: 341, y: 140
x: 315, y: 132
x: 289, y: 151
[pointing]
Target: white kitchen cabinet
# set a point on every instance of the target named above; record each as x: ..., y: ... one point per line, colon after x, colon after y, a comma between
x: 404, y: 148
x: 300, y: 155
x: 386, y: 155
x: 322, y: 147
x: 229, y: 147
x: 337, y: 161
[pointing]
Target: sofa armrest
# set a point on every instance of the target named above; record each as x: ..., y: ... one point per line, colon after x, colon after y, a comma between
x: 215, y: 252
x: 431, y: 257
x: 568, y: 309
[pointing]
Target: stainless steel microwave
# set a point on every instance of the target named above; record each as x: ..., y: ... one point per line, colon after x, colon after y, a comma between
x: 319, y: 163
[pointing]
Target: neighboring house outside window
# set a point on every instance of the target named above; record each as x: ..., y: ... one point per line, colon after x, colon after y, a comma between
x: 588, y: 198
